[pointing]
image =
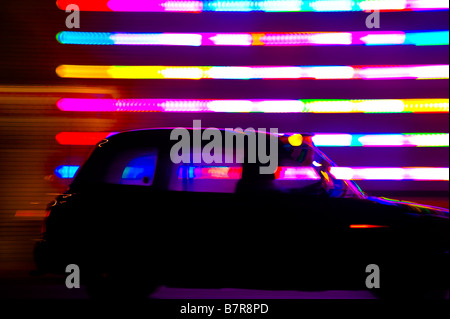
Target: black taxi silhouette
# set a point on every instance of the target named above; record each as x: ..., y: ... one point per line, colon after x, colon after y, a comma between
x: 133, y: 220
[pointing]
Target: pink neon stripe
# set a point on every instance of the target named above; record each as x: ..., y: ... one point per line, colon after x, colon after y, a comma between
x: 246, y: 106
x: 332, y: 38
x: 249, y: 39
x: 418, y: 5
x: 319, y: 139
x: 207, y: 173
x: 232, y: 39
x: 394, y: 37
x: 198, y: 5
x: 402, y: 72
x: 341, y: 173
x: 135, y: 105
x: 391, y: 140
x: 296, y: 173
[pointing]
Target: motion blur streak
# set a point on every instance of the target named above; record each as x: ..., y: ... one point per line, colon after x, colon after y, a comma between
x: 383, y: 140
x: 45, y: 89
x: 257, y: 39
x: 282, y: 173
x: 319, y: 139
x: 391, y: 173
x: 196, y: 6
x: 367, y: 226
x: 80, y: 138
x: 261, y: 106
x: 254, y: 72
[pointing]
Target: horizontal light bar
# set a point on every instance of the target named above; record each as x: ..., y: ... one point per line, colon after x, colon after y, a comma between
x: 391, y: 174
x: 66, y: 171
x: 296, y: 173
x: 320, y: 140
x: 259, y: 106
x: 289, y: 173
x: 358, y: 226
x: 257, y: 39
x: 419, y: 72
x: 80, y: 138
x: 196, y: 6
x: 208, y: 173
x: 382, y: 140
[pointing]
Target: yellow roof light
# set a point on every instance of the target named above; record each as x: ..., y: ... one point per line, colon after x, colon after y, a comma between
x: 296, y: 140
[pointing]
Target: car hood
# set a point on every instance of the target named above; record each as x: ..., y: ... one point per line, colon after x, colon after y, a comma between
x: 412, y: 208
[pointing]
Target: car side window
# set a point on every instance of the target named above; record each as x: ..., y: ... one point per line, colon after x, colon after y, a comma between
x: 208, y: 177
x: 140, y: 171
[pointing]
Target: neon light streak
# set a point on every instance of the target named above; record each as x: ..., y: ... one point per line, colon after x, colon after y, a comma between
x: 367, y: 226
x: 382, y: 140
x: 66, y: 171
x: 320, y: 140
x: 419, y: 72
x: 282, y: 173
x: 332, y: 140
x: 403, y: 140
x: 80, y: 138
x: 427, y: 38
x: 258, y: 106
x: 400, y: 174
x: 196, y: 6
x: 290, y: 173
x: 296, y: 173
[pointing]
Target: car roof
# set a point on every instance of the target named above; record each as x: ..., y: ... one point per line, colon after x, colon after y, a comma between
x: 166, y: 131
x: 160, y: 137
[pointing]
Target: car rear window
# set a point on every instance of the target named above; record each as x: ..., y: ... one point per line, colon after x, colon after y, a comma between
x: 130, y: 167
